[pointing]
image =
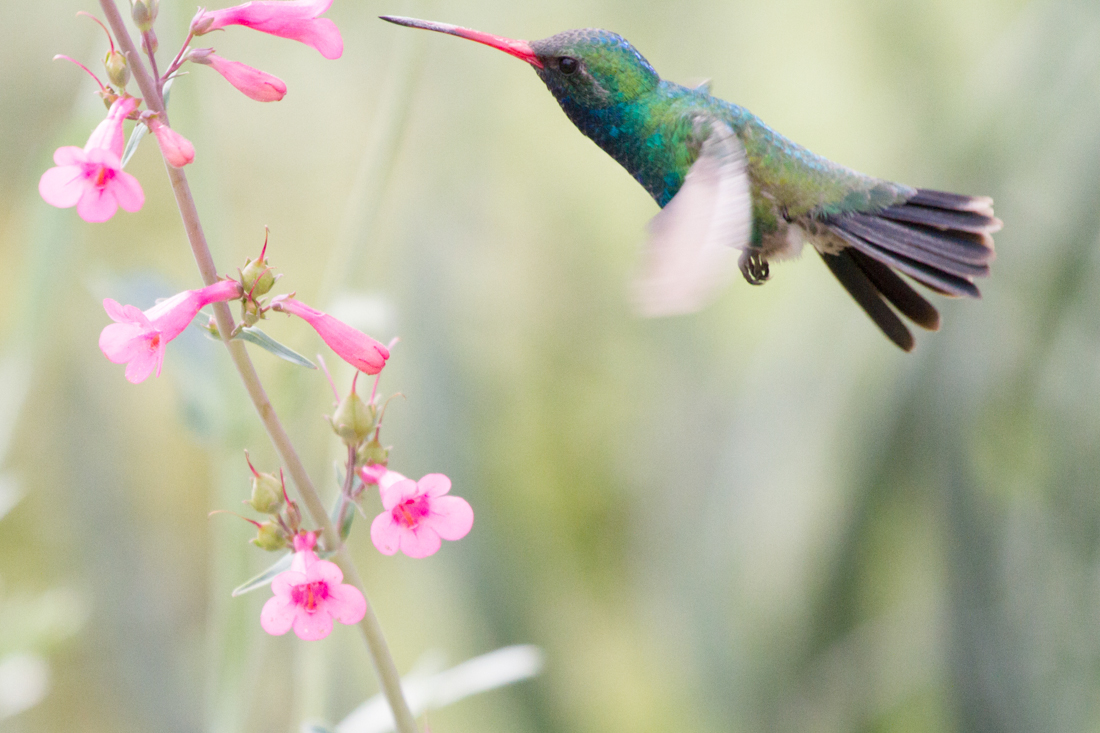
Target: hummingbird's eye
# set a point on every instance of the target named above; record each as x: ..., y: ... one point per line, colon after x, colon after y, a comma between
x: 567, y: 64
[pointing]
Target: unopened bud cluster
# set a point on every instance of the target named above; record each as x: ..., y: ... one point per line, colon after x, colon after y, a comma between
x: 269, y: 497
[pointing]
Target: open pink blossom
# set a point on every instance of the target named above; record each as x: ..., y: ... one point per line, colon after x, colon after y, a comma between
x: 296, y: 20
x: 351, y: 345
x: 176, y: 149
x: 310, y: 595
x: 138, y: 339
x: 92, y: 179
x: 255, y: 84
x: 418, y: 514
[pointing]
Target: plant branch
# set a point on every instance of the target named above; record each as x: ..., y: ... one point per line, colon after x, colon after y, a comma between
x: 376, y: 642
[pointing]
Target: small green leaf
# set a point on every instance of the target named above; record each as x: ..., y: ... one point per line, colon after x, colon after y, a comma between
x: 334, y: 515
x: 261, y: 339
x: 264, y: 578
x: 132, y: 144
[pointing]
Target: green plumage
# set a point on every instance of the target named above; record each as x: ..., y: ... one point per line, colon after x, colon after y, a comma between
x: 649, y: 126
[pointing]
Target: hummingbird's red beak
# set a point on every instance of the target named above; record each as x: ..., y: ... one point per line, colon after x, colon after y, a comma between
x: 519, y: 49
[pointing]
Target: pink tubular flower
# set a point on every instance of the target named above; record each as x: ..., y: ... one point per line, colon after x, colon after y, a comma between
x: 92, y: 179
x: 296, y: 20
x: 310, y: 595
x: 138, y: 339
x: 351, y: 345
x: 176, y: 149
x: 418, y: 515
x: 255, y: 84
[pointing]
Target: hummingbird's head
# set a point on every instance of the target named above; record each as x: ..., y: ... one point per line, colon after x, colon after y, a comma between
x: 591, y: 68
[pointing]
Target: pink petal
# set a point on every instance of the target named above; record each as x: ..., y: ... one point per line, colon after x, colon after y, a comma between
x: 277, y: 615
x: 312, y: 626
x: 452, y: 517
x: 284, y: 582
x: 121, y: 342
x: 420, y: 542
x: 69, y: 155
x: 396, y: 493
x: 386, y: 533
x: 389, y: 478
x: 327, y: 571
x: 124, y: 313
x: 127, y: 191
x: 62, y: 186
x: 346, y: 604
x: 296, y: 21
x: 434, y: 484
x: 145, y: 363
x: 96, y: 204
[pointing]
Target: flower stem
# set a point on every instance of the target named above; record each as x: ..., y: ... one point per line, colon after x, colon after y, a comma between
x: 376, y: 642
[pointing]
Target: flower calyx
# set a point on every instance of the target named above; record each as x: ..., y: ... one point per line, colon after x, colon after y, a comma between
x: 268, y: 492
x: 354, y: 419
x: 144, y: 13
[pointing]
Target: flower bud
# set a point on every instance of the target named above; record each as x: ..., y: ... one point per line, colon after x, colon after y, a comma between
x: 118, y: 71
x: 144, y: 13
x: 257, y: 277
x: 250, y: 312
x: 211, y: 328
x: 149, y: 42
x: 354, y: 419
x: 267, y: 494
x: 270, y: 537
x: 293, y: 516
x: 372, y: 453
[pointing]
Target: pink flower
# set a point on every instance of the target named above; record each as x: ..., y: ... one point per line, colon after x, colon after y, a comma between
x: 418, y: 515
x: 255, y: 84
x: 138, y: 339
x: 310, y: 595
x: 351, y: 345
x: 373, y: 473
x: 92, y: 179
x: 176, y: 149
x: 296, y: 20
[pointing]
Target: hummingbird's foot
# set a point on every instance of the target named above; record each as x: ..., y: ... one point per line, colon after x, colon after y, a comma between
x: 754, y: 267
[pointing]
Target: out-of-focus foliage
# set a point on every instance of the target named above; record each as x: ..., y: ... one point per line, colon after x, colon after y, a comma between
x: 759, y: 518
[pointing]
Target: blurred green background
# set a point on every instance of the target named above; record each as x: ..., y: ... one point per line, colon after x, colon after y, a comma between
x: 763, y: 517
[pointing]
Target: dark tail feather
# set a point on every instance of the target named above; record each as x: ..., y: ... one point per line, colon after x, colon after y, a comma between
x: 861, y: 287
x: 901, y: 295
x: 942, y: 240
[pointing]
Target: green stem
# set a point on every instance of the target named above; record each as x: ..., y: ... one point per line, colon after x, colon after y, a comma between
x: 376, y: 642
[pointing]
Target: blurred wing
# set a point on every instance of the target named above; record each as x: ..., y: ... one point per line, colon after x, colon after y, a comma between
x: 694, y: 241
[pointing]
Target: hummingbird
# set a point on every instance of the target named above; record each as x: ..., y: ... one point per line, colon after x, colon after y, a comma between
x: 736, y: 194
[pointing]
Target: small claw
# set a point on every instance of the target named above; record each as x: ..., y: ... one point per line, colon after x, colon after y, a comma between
x: 754, y: 267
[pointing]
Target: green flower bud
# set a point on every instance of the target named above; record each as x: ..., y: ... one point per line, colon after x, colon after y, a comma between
x: 250, y: 312
x: 267, y: 494
x: 257, y: 277
x: 270, y: 537
x: 118, y: 71
x: 372, y: 452
x: 144, y: 13
x: 354, y: 419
